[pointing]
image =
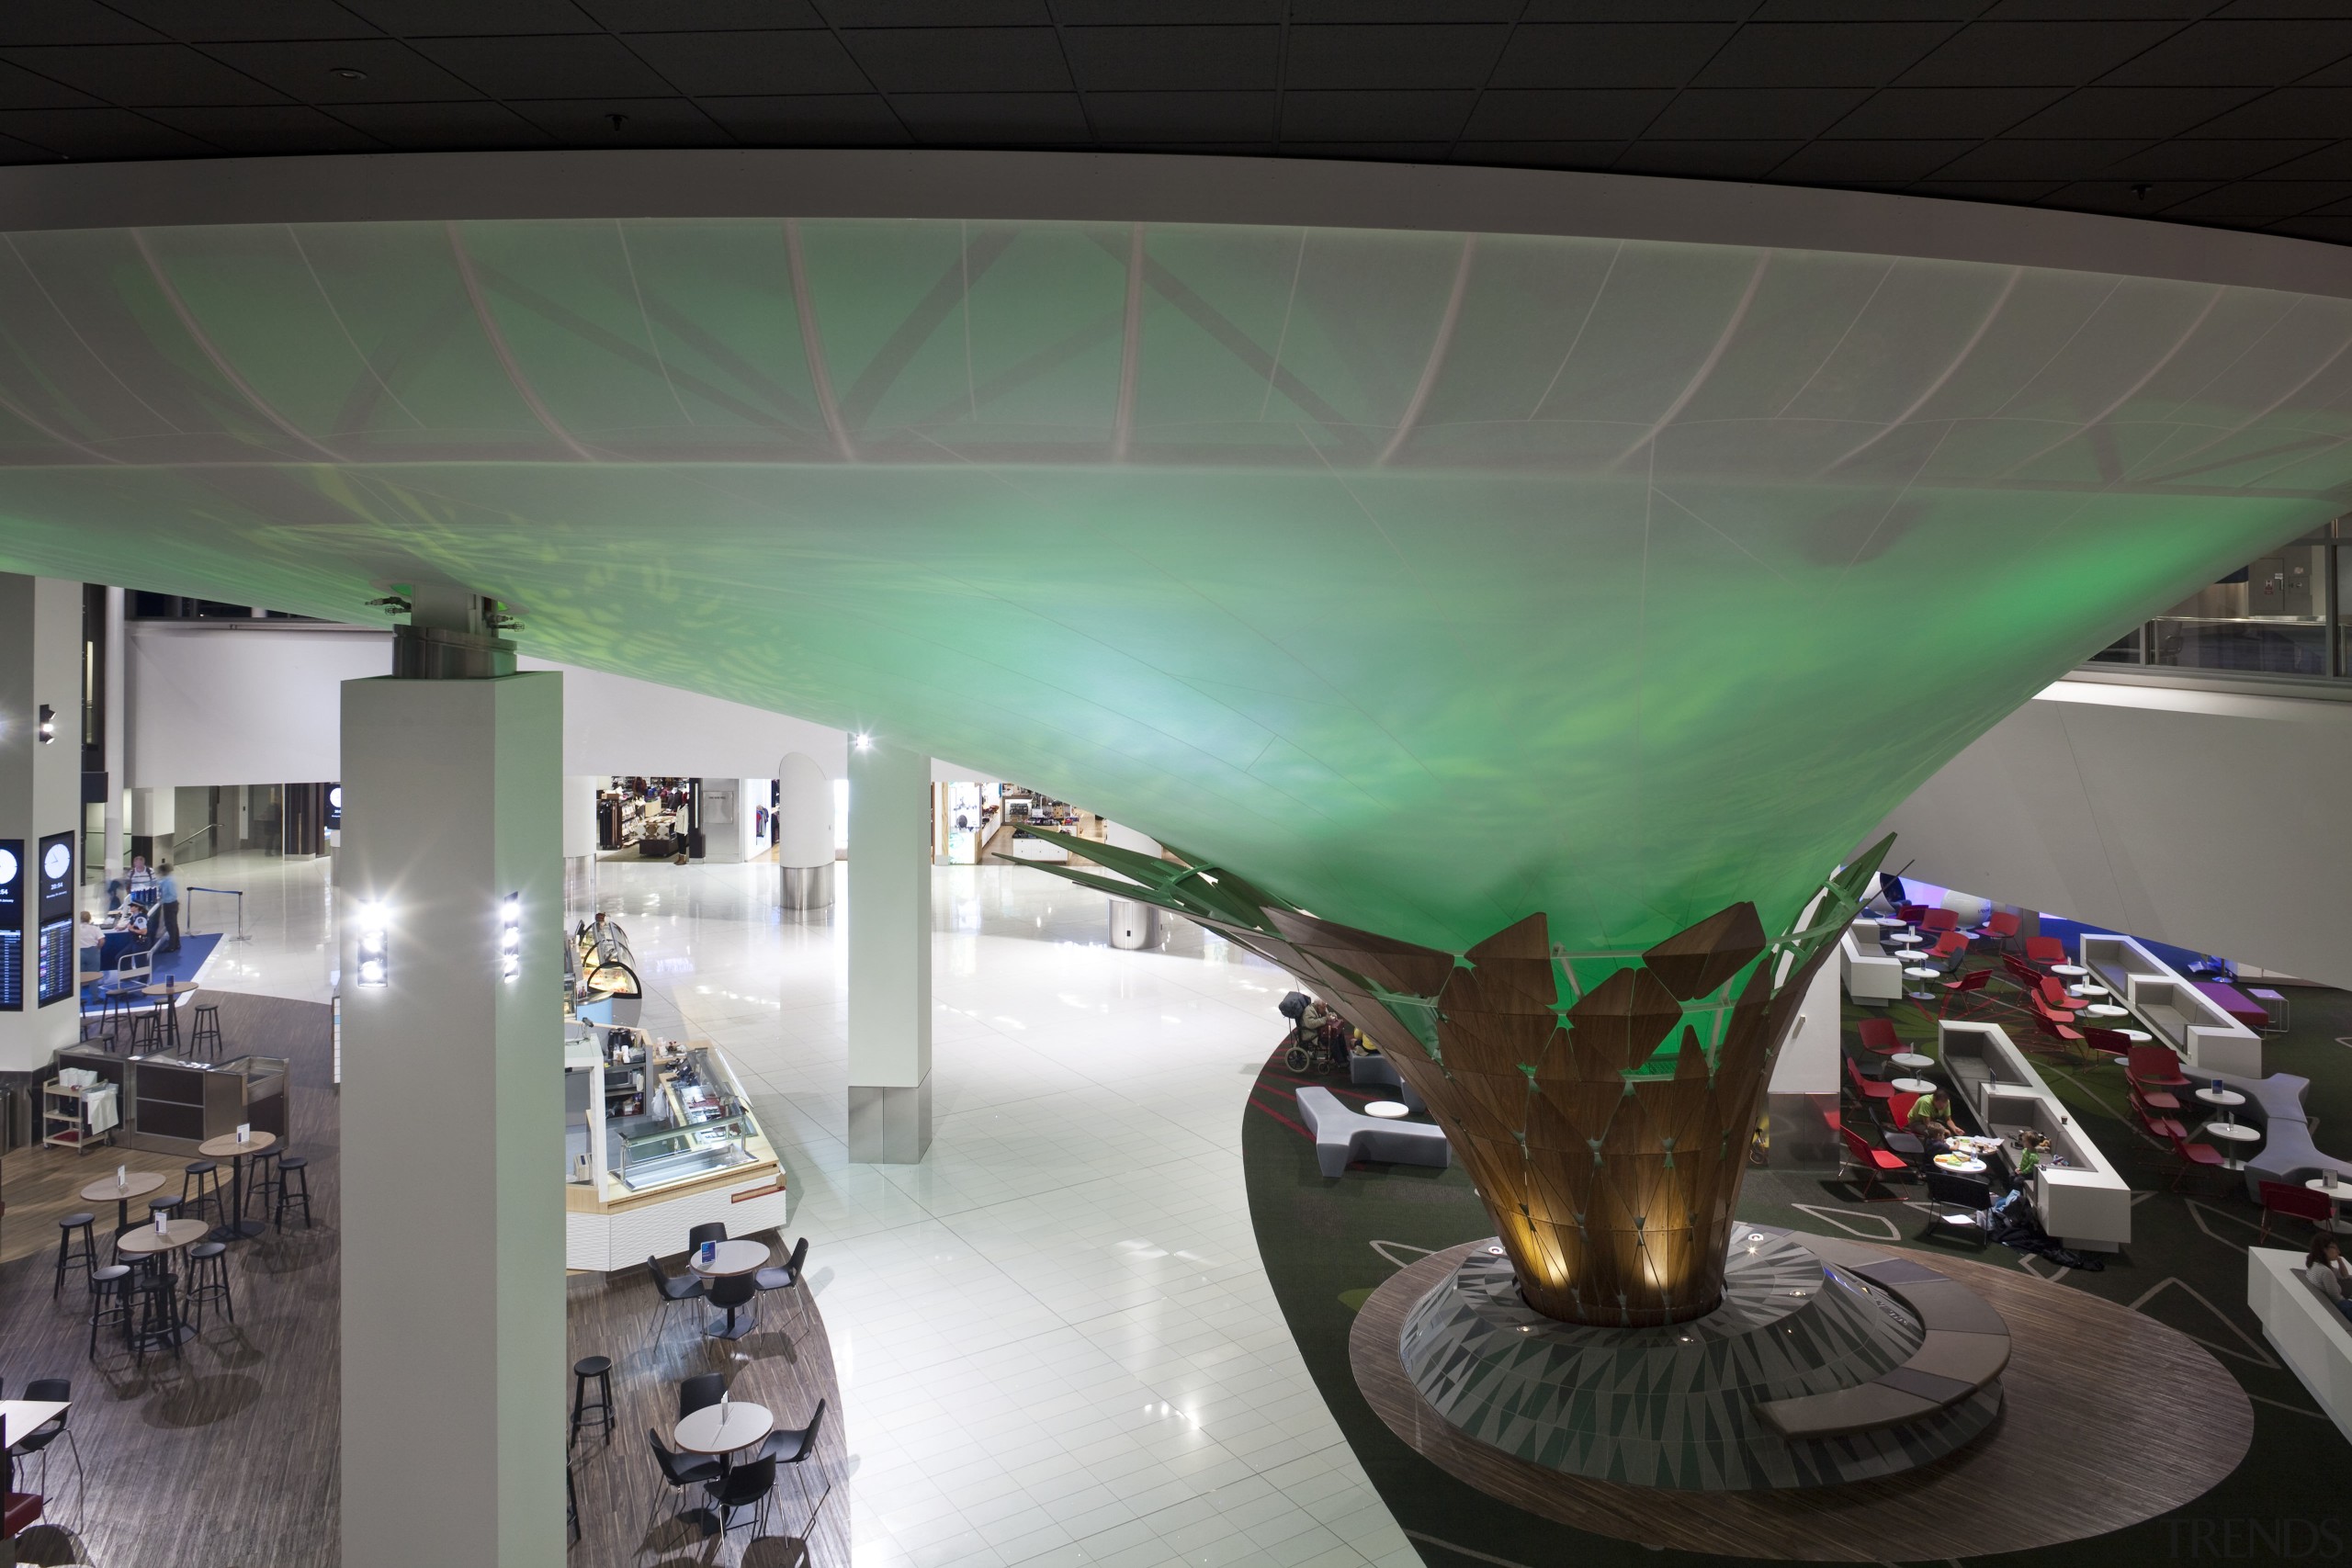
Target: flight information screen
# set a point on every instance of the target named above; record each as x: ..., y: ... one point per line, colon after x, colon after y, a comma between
x: 12, y: 925
x: 56, y: 962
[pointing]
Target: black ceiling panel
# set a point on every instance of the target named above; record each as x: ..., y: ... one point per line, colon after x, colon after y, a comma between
x: 2232, y: 114
x: 320, y: 72
x: 1392, y: 57
x: 1175, y: 59
x: 260, y: 130
x: 1374, y: 116
x: 138, y: 74
x: 1610, y: 55
x: 860, y: 119
x: 558, y: 67
x: 219, y: 21
x: 752, y: 63
x: 1822, y: 54
x: 985, y: 61
x: 1171, y: 118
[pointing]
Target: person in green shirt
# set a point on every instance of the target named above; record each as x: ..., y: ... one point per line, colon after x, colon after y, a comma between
x: 1931, y: 1121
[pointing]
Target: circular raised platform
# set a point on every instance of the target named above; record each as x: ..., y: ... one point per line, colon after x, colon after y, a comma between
x: 1684, y: 1406
x: 2078, y: 1434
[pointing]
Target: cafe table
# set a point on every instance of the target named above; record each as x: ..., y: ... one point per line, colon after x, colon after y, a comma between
x: 135, y: 1184
x: 2336, y: 1196
x: 730, y: 1258
x: 721, y: 1430
x: 1913, y: 1060
x: 226, y: 1146
x: 2237, y: 1136
x: 146, y: 1241
x: 167, y: 993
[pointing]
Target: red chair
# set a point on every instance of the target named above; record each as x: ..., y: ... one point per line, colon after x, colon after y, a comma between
x: 2194, y: 1155
x: 1898, y: 1108
x: 2045, y: 950
x: 2294, y: 1202
x: 1878, y: 1036
x: 1938, y: 920
x: 1912, y: 913
x: 1875, y: 1165
x: 2108, y: 1042
x: 2051, y: 997
x: 2050, y: 1029
x: 1951, y: 945
x: 2153, y: 1067
x: 19, y: 1511
x: 2024, y: 974
x: 1866, y: 1088
x: 2163, y: 1126
x: 1967, y: 985
x: 2000, y: 926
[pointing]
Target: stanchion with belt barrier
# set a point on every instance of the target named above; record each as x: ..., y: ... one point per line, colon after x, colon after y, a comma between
x: 236, y: 893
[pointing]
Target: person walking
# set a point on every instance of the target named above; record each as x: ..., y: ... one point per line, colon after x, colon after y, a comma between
x: 167, y: 906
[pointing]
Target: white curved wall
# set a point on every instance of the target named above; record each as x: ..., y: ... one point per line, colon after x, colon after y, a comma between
x: 2210, y: 819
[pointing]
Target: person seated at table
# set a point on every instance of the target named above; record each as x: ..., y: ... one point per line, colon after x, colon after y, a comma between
x: 89, y: 945
x: 2324, y: 1267
x: 1931, y: 1120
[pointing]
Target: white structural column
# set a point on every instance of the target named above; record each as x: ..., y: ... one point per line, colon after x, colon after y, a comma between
x: 580, y: 792
x: 452, y: 1254
x: 117, y: 730
x: 40, y: 798
x: 804, y: 837
x: 890, y: 954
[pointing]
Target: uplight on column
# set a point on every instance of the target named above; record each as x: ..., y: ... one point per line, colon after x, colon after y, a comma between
x: 510, y: 936
x: 375, y: 929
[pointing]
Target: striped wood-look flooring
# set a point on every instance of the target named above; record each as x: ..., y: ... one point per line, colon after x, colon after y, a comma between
x: 226, y: 1457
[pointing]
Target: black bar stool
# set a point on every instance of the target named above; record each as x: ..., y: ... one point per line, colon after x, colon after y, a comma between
x: 206, y: 1035
x: 200, y: 1190
x: 601, y: 1407
x: 109, y: 1301
x: 264, y: 1186
x: 74, y: 1240
x: 159, y: 1314
x: 208, y: 1280
x: 146, y: 1030
x: 293, y: 1183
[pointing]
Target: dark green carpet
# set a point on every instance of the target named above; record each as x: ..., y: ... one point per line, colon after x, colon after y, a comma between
x: 1327, y: 1244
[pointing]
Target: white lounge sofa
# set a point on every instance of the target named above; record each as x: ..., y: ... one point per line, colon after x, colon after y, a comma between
x: 2305, y: 1327
x: 1870, y: 976
x: 2084, y: 1204
x: 2183, y: 1016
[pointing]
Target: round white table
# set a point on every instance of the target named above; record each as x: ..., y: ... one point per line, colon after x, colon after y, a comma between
x: 730, y: 1258
x: 2222, y: 1097
x: 2336, y: 1196
x: 1910, y: 1086
x: 1911, y: 1059
x: 2104, y: 1010
x: 724, y: 1429
x: 2137, y: 1036
x: 2234, y: 1135
x: 721, y: 1430
x: 2087, y: 989
x: 1388, y: 1110
x: 1921, y: 971
x: 1964, y: 1166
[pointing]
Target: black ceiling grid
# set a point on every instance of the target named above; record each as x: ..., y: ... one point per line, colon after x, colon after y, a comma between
x: 2219, y: 112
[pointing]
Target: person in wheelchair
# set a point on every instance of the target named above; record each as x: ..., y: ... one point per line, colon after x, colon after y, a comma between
x: 1319, y: 1038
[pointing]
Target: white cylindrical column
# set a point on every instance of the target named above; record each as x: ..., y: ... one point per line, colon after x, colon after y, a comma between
x: 1133, y: 924
x: 40, y: 808
x: 579, y: 841
x: 452, y: 1111
x: 804, y: 839
x: 890, y: 954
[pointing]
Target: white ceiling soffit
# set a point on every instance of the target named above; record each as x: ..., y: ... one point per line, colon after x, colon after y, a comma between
x: 1144, y: 187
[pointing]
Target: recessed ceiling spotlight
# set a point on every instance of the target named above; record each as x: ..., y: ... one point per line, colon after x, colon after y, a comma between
x: 349, y: 73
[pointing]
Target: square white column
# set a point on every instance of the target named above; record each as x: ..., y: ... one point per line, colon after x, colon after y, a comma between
x: 452, y: 1108
x: 40, y: 813
x: 890, y: 954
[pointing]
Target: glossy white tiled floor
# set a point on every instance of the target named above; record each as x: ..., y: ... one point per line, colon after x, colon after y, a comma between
x: 1055, y: 1340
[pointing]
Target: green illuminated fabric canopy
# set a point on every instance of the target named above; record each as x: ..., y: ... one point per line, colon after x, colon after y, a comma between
x: 1428, y: 580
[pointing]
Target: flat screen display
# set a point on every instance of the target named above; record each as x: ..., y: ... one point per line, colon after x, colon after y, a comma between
x: 56, y: 874
x: 54, y: 962
x: 12, y: 925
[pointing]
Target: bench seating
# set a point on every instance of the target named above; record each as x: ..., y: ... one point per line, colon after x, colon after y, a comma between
x: 1966, y: 1345
x: 1343, y: 1136
x: 1379, y: 1072
x: 2274, y: 1104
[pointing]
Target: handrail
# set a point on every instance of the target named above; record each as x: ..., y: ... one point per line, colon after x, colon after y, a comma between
x: 208, y: 828
x: 236, y: 893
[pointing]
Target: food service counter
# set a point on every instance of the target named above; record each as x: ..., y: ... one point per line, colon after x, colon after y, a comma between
x: 170, y: 1105
x: 655, y: 1144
